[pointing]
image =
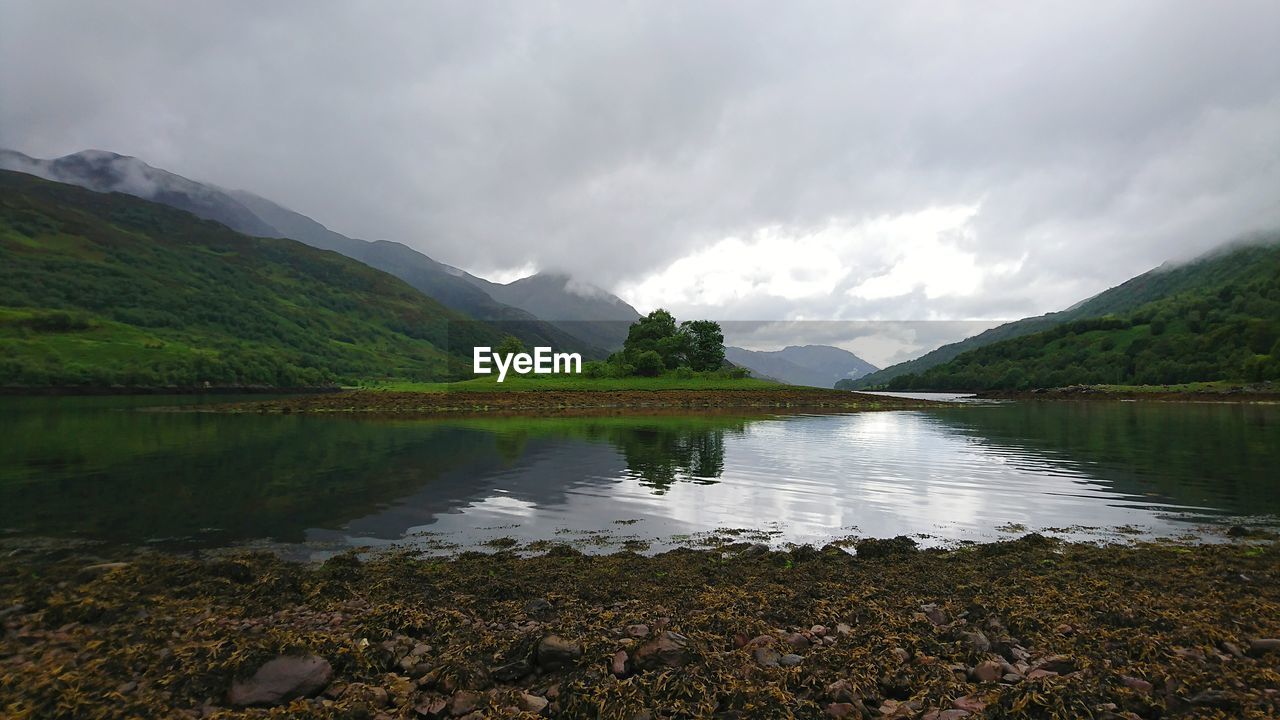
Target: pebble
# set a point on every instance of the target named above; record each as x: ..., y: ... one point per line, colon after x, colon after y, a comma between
x: 282, y: 679
x: 790, y: 660
x: 555, y: 652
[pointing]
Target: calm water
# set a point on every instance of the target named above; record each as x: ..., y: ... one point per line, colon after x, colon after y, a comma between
x: 98, y: 468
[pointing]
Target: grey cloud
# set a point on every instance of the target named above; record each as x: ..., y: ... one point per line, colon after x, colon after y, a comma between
x: 609, y: 140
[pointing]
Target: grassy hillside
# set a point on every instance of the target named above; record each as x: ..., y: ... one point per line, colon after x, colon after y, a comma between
x: 1213, y: 270
x: 109, y: 289
x: 1218, y: 319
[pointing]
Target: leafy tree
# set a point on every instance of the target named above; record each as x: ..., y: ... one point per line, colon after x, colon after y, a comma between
x: 705, y: 345
x: 649, y: 363
x: 510, y: 345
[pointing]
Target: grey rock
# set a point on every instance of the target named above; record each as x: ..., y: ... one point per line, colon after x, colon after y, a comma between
x: 555, y: 652
x: 282, y: 679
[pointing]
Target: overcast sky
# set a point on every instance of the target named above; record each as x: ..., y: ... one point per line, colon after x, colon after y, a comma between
x: 835, y: 160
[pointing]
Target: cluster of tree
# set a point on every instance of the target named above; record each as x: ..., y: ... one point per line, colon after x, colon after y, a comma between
x: 1230, y: 332
x: 656, y: 343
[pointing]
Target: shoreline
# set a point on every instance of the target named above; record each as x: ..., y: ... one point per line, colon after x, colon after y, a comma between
x: 1031, y: 628
x: 1239, y: 394
x: 570, y: 401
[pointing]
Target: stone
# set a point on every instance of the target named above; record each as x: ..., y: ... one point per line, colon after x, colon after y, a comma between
x: 841, y: 691
x: 1137, y: 684
x: 790, y: 660
x: 818, y: 630
x: 464, y: 702
x: 766, y: 657
x: 951, y: 714
x: 1258, y: 646
x: 1039, y: 673
x: 638, y: 631
x: 976, y: 643
x: 900, y: 654
x: 934, y: 614
x: 372, y: 696
x: 844, y: 629
x: 431, y: 708
x: 509, y: 672
x: 841, y: 710
x: 620, y: 666
x: 1059, y: 664
x: 987, y: 671
x: 282, y: 679
x: 538, y: 606
x: 969, y: 703
x: 533, y: 703
x: 555, y: 652
x: 668, y: 649
x: 797, y: 641
x: 755, y: 551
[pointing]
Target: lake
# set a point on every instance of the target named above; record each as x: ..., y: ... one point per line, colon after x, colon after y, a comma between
x: 101, y: 468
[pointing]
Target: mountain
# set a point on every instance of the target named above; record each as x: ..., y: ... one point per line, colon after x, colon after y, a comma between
x: 578, y: 308
x: 1216, y: 318
x: 102, y: 171
x: 816, y: 365
x: 1214, y: 268
x: 257, y: 216
x: 106, y: 288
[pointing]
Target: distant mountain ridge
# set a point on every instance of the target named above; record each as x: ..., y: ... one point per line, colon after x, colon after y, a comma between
x: 1152, y: 285
x: 254, y: 215
x: 814, y: 365
x: 579, y: 308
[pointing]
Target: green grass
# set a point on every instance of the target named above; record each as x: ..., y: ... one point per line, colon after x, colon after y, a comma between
x: 580, y: 382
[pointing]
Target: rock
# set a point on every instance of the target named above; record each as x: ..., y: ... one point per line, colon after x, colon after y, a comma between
x: 555, y: 652
x: 841, y: 710
x: 797, y: 641
x: 844, y: 629
x: 464, y: 702
x: 976, y: 643
x: 1065, y: 629
x: 790, y: 660
x: 841, y: 691
x: 668, y: 649
x: 1039, y: 673
x: 969, y: 703
x: 1258, y: 646
x: 1137, y: 684
x: 431, y: 708
x: 620, y: 666
x: 92, y: 571
x: 510, y: 672
x: 900, y: 654
x: 372, y: 696
x: 818, y: 630
x: 538, y: 606
x: 952, y: 714
x: 1213, y: 698
x: 987, y: 671
x: 1059, y: 664
x: 934, y: 614
x: 638, y: 631
x: 12, y: 610
x: 755, y: 551
x: 1232, y: 648
x: 876, y: 548
x: 282, y: 679
x: 533, y: 703
x: 1012, y: 677
x: 766, y: 657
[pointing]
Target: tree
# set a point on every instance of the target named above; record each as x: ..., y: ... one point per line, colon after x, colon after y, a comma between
x: 649, y: 363
x: 704, y: 348
x: 510, y: 345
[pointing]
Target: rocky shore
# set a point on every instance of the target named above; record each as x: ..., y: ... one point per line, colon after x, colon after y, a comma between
x: 575, y: 401
x: 1032, y: 628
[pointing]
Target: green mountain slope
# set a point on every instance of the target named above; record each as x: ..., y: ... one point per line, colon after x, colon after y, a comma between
x: 250, y: 214
x: 1216, y: 319
x: 1213, y: 269
x: 111, y: 289
x: 580, y: 309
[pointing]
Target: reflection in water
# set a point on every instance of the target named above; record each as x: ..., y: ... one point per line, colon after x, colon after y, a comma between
x: 89, y: 469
